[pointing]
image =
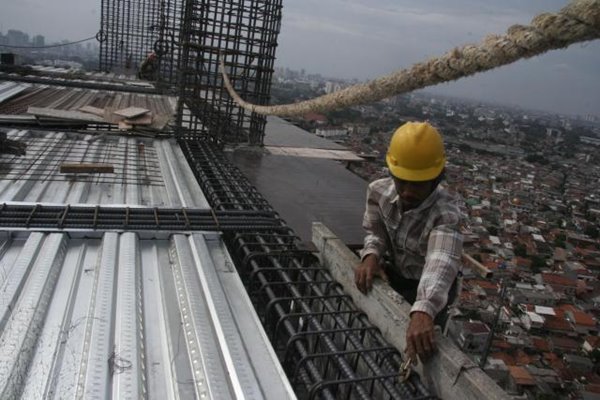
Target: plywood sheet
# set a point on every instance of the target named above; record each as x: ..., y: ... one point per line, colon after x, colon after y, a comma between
x: 98, y: 168
x: 132, y: 112
x: 93, y: 110
x: 64, y: 114
x: 145, y: 119
x: 343, y: 155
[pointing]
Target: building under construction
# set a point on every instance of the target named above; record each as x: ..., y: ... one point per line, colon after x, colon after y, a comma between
x: 139, y: 261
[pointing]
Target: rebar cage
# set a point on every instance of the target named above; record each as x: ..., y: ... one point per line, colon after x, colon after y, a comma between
x: 131, y: 29
x: 244, y: 33
x: 328, y: 347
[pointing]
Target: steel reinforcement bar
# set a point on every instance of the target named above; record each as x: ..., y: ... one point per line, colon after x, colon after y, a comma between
x: 131, y: 29
x: 328, y: 347
x: 80, y: 84
x: 243, y: 33
x: 67, y: 217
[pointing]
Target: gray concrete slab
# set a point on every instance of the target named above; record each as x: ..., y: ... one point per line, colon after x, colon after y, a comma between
x: 303, y: 190
x: 279, y: 132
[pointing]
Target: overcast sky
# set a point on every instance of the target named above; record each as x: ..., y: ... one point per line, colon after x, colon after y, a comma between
x: 366, y: 38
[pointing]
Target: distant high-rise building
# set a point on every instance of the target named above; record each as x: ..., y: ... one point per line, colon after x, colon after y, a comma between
x: 590, y: 118
x: 38, y: 41
x: 17, y: 38
x: 328, y: 87
x: 331, y: 87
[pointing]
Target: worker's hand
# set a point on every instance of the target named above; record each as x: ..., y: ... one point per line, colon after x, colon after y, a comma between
x: 420, y: 339
x: 368, y: 269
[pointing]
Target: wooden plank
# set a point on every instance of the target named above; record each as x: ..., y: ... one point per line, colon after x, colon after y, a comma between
x: 111, y: 117
x: 160, y: 121
x: 143, y: 120
x: 93, y: 110
x: 17, y: 118
x: 63, y: 114
x: 124, y: 126
x: 86, y: 168
x: 342, y: 155
x: 140, y: 83
x: 132, y: 112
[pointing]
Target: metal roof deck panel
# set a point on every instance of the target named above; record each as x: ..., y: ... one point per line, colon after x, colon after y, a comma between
x: 123, y: 317
x: 67, y: 98
x: 10, y: 89
x: 279, y: 132
x: 151, y: 172
x: 97, y: 75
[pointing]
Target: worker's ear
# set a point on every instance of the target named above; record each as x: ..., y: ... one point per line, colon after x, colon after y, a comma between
x: 439, y: 178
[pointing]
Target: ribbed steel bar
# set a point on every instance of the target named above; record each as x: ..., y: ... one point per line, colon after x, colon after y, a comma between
x: 245, y: 34
x: 334, y: 311
x: 52, y: 81
x: 131, y: 29
x: 37, y: 216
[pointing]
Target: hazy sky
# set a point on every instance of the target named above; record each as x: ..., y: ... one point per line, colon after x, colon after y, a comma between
x: 367, y: 38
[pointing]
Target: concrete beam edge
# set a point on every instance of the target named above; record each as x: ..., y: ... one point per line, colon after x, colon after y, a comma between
x: 449, y: 373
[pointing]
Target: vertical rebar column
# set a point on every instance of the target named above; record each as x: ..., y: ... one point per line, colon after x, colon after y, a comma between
x: 245, y: 34
x: 131, y: 29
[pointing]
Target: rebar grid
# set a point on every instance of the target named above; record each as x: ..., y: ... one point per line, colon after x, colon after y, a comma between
x: 74, y: 99
x: 135, y: 161
x: 131, y: 29
x: 67, y: 217
x: 245, y: 34
x: 328, y: 348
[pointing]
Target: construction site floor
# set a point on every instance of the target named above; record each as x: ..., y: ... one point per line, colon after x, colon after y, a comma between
x: 303, y: 189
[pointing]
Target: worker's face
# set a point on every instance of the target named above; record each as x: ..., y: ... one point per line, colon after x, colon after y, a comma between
x: 412, y: 194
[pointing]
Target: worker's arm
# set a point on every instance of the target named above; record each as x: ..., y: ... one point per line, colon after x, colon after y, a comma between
x: 375, y: 242
x: 442, y: 264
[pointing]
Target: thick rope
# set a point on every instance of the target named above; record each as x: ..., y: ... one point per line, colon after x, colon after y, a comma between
x: 577, y: 22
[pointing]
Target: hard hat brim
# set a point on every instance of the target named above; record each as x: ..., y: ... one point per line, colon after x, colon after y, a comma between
x: 413, y: 175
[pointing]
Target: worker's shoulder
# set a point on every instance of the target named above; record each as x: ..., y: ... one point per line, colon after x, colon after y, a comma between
x: 448, y: 206
x: 381, y: 185
x: 381, y: 191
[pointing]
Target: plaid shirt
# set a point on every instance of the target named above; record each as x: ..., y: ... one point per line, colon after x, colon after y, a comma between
x: 425, y: 243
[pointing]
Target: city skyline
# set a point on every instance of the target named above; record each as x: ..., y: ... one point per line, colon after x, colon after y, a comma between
x: 365, y: 39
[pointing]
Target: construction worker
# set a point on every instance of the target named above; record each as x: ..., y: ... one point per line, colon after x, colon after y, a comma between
x: 412, y: 218
x: 148, y: 68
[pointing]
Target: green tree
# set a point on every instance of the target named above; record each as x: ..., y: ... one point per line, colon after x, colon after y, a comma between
x: 537, y: 263
x: 520, y: 250
x: 592, y: 231
x: 595, y: 356
x: 465, y: 147
x: 536, y: 158
x: 547, y: 396
x: 560, y: 240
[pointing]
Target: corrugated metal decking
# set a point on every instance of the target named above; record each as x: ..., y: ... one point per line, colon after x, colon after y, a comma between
x: 120, y: 317
x: 10, y: 89
x: 112, y: 314
x: 147, y: 172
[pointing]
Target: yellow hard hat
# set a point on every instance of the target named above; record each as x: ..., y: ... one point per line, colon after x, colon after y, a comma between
x: 416, y: 152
